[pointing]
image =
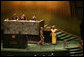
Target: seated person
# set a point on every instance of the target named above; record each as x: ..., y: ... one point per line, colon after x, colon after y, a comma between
x: 23, y: 17
x: 34, y: 18
x: 15, y: 17
x: 6, y: 19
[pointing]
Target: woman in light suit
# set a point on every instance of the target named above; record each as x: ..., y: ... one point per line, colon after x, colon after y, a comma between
x: 53, y: 33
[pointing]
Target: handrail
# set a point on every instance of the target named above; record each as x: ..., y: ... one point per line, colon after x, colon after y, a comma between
x: 68, y: 33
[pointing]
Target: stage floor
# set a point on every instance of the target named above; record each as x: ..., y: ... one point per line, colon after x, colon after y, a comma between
x: 43, y: 48
x: 40, y: 50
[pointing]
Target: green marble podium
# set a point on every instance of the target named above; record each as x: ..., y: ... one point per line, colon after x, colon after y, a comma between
x: 18, y: 32
x: 22, y: 27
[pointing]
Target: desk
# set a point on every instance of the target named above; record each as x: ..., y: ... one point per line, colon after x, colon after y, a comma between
x: 22, y: 27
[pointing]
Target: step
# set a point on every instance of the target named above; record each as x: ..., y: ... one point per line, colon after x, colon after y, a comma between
x: 76, y: 52
x: 77, y: 55
x: 72, y: 50
x: 59, y: 33
x: 73, y: 38
x: 66, y: 37
x: 62, y: 35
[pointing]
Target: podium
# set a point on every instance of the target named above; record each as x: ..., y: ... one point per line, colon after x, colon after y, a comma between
x: 16, y: 32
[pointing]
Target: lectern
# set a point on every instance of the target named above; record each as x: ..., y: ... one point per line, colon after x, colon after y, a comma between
x: 17, y: 31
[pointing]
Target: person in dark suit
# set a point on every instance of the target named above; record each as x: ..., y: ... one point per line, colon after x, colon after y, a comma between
x: 34, y: 18
x: 15, y: 17
x: 82, y: 34
x: 82, y: 29
x: 23, y: 17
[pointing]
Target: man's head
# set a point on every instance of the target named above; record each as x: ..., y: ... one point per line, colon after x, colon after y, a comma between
x: 14, y: 14
x: 41, y: 28
x: 23, y: 14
